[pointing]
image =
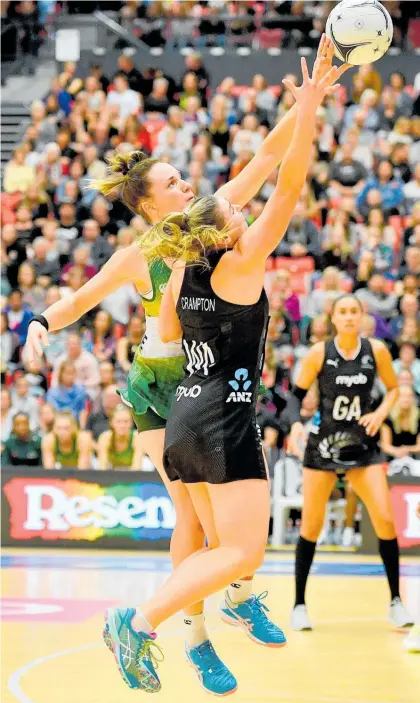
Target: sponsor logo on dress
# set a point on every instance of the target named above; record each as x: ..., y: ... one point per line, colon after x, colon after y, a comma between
x: 240, y: 385
x: 162, y: 288
x: 367, y: 362
x: 339, y: 447
x: 199, y: 357
x: 183, y: 392
x: 332, y: 362
x: 199, y: 304
x: 358, y: 379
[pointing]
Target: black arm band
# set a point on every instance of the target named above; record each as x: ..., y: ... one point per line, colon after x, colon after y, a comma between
x: 42, y: 321
x: 294, y: 404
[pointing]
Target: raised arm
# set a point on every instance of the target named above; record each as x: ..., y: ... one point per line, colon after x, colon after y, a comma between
x: 247, y: 184
x: 257, y: 243
x: 125, y: 265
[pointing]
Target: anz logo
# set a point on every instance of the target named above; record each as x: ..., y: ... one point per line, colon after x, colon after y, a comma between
x: 240, y: 385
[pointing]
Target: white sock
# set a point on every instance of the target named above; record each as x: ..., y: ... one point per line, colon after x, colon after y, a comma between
x: 140, y: 624
x: 196, y: 632
x: 240, y: 590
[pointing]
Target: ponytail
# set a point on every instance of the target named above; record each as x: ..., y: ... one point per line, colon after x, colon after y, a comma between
x: 187, y: 236
x: 127, y: 179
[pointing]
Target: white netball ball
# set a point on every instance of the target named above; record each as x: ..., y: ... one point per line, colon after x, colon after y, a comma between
x: 361, y: 31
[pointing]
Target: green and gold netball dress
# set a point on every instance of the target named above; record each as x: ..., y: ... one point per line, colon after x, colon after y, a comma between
x: 157, y: 368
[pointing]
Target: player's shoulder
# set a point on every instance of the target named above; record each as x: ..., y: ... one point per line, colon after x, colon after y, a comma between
x: 317, y: 352
x: 378, y: 346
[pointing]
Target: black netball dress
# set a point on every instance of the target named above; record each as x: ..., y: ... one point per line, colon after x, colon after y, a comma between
x: 336, y: 441
x: 211, y: 433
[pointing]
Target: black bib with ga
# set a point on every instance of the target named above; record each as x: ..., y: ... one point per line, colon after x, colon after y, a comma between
x: 336, y: 441
x: 211, y: 433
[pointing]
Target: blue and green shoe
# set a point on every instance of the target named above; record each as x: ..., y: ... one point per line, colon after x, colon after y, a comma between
x: 134, y: 652
x: 250, y: 615
x: 214, y: 676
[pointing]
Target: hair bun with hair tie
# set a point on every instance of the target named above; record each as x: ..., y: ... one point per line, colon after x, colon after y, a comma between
x: 136, y: 158
x: 124, y: 168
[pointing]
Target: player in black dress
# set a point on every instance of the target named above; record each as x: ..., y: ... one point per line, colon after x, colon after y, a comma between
x: 219, y: 307
x: 345, y: 440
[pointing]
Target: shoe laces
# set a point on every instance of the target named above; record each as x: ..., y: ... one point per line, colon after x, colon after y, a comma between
x: 210, y: 659
x: 259, y: 610
x: 151, y: 651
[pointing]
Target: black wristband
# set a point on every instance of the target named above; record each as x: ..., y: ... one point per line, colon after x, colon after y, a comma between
x: 42, y: 321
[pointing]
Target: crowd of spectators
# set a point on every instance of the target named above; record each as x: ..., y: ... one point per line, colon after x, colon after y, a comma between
x: 356, y: 227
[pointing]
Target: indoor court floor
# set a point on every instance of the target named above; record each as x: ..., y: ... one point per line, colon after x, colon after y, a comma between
x: 52, y: 649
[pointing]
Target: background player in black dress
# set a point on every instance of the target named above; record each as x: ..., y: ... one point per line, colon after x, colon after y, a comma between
x: 345, y: 441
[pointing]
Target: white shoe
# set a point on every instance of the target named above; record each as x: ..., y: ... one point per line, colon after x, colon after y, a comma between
x: 412, y: 642
x: 398, y: 614
x: 348, y: 536
x: 299, y: 620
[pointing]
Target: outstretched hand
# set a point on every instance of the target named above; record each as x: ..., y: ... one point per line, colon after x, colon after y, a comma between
x: 313, y: 89
x: 323, y: 61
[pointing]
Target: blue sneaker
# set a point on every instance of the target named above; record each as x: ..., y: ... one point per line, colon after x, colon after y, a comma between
x: 213, y: 675
x: 250, y: 616
x: 132, y: 650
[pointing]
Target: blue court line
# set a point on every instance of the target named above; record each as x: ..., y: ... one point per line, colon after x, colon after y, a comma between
x: 163, y: 565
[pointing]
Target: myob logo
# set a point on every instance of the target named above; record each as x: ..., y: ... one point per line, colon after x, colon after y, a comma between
x: 358, y: 379
x: 240, y: 385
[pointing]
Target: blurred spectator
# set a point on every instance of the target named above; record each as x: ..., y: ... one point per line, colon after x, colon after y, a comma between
x: 412, y: 188
x: 100, y: 341
x: 47, y: 272
x: 383, y: 255
x: 301, y: 238
x: 66, y: 446
x: 80, y: 259
x: 329, y: 290
x: 18, y: 176
x: 46, y: 418
x: 407, y: 361
x: 127, y: 346
x: 403, y: 98
x: 107, y: 374
x: 22, y: 401
x: 390, y: 190
x: 120, y: 447
x: 134, y: 77
x: 9, y: 348
x: 6, y: 414
x: 98, y: 247
x: 409, y: 307
x: 376, y: 298
x: 282, y: 287
x: 18, y: 315
x: 347, y: 176
x: 158, y: 100
x: 366, y: 77
x: 201, y: 186
x: 400, y: 435
x: 193, y: 64
x: 23, y: 447
x: 98, y: 422
x: 127, y: 101
x: 68, y: 395
x: 87, y: 367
